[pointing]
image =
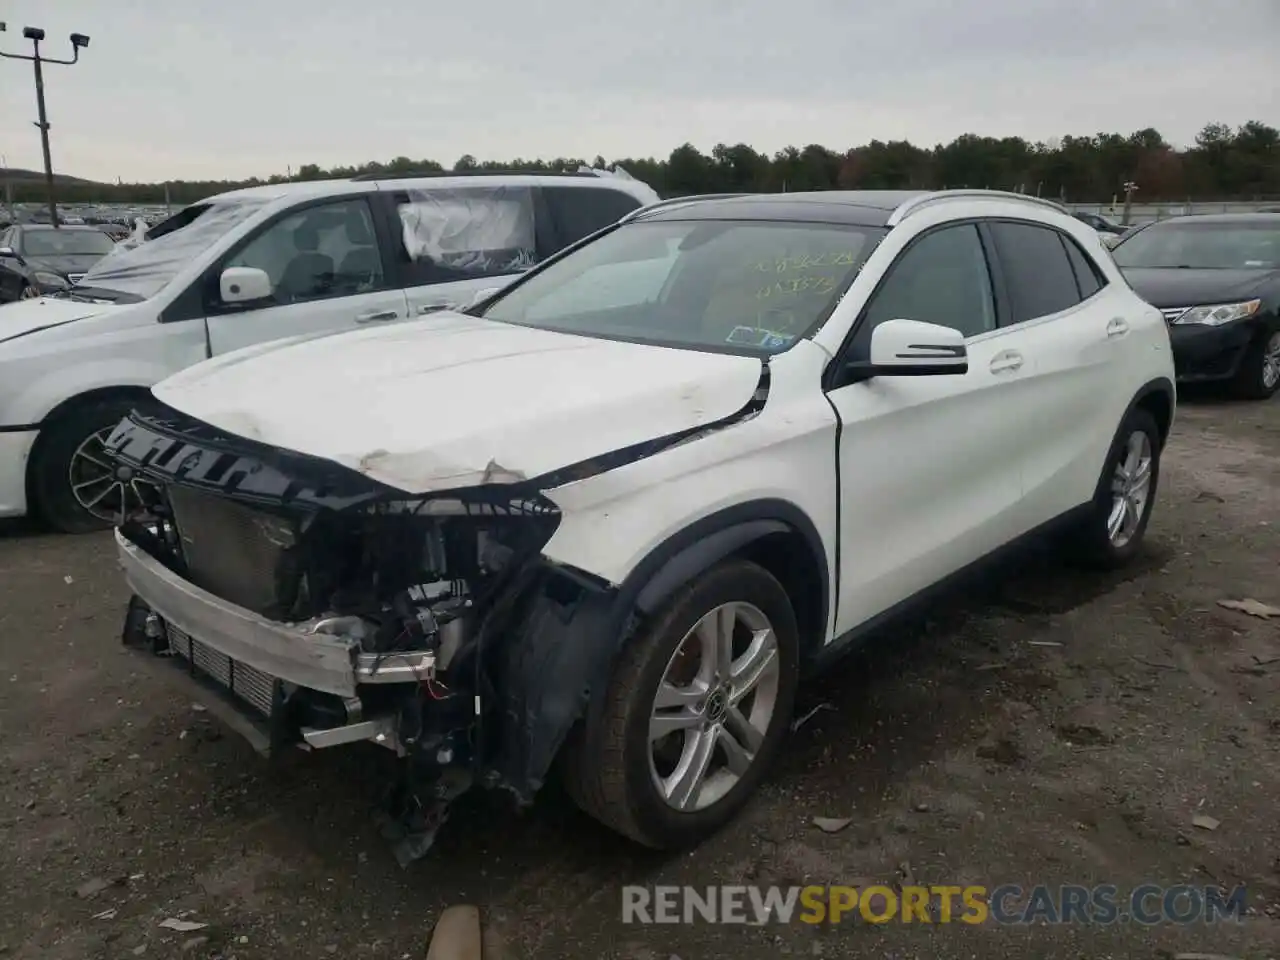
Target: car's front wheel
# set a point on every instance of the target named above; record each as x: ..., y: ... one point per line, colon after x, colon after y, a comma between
x: 76, y: 486
x: 29, y: 293
x: 697, y: 708
x: 1259, y: 375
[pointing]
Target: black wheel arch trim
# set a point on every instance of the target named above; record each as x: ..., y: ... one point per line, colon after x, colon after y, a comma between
x: 1160, y: 385
x: 562, y: 652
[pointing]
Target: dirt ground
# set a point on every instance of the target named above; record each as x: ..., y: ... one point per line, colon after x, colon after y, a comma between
x: 1051, y: 728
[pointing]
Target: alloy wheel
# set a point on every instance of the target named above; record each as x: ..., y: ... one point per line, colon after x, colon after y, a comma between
x: 106, y: 491
x: 714, y: 706
x: 1271, y: 362
x: 1130, y: 489
x: 29, y: 293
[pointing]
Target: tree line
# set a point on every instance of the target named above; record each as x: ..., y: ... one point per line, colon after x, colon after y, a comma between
x: 1224, y: 163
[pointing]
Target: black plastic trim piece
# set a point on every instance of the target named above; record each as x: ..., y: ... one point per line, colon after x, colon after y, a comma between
x: 594, y: 466
x: 561, y: 655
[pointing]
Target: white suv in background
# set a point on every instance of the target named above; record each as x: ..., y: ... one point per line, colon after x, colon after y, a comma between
x: 611, y: 513
x: 241, y: 268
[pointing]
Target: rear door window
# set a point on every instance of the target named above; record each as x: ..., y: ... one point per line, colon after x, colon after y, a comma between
x: 578, y: 212
x: 1088, y: 277
x: 469, y: 233
x: 1037, y: 272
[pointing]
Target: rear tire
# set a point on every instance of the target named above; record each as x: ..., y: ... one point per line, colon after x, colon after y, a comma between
x: 1111, y: 535
x: 68, y: 455
x: 1259, y: 375
x: 622, y: 772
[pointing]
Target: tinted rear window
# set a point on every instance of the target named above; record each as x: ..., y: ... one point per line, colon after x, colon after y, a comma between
x: 1037, y: 273
x: 580, y: 212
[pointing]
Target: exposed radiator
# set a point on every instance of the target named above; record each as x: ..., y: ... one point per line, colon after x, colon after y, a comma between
x: 233, y: 551
x: 248, y: 683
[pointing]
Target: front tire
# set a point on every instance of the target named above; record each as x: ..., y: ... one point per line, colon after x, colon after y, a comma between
x: 1111, y: 535
x: 695, y: 712
x: 1259, y: 375
x: 75, y: 485
x: 29, y: 293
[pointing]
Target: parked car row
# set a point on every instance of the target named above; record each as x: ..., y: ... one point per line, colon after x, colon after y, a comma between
x: 602, y: 520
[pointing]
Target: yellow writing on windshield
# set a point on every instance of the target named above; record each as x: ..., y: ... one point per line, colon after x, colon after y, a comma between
x: 806, y: 261
x: 794, y: 285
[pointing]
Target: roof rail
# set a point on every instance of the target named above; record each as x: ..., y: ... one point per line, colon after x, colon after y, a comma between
x: 422, y: 174
x: 678, y: 202
x: 908, y: 207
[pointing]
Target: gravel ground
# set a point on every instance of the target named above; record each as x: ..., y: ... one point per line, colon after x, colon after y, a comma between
x: 1051, y: 728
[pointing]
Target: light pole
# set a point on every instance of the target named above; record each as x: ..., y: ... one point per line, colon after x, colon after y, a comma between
x: 1129, y: 188
x: 78, y: 42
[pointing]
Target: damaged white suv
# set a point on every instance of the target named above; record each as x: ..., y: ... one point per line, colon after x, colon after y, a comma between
x: 608, y: 517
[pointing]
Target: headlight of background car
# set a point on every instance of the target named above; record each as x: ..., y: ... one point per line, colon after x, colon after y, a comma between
x: 50, y: 281
x: 1217, y: 315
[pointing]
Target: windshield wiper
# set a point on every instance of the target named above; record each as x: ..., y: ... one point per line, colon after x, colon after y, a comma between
x: 90, y: 294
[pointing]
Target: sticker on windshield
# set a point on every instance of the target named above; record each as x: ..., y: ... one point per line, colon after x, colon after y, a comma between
x: 758, y: 337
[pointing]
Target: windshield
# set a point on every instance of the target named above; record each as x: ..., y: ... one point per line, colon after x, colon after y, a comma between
x: 1202, y: 246
x: 750, y: 287
x: 139, y: 272
x: 65, y: 243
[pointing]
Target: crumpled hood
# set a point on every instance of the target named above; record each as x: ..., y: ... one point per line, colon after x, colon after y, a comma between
x: 455, y: 401
x: 28, y: 316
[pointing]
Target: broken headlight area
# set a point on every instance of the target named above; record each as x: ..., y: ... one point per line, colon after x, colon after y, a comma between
x: 323, y: 609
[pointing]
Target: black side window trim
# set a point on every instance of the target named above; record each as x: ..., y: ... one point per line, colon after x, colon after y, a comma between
x: 1063, y: 238
x: 1100, y: 278
x: 994, y: 278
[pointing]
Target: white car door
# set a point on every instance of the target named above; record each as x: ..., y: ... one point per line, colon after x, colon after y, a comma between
x: 1073, y: 330
x: 928, y: 466
x: 328, y: 274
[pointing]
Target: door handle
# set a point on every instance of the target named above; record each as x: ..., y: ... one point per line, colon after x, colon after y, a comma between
x: 1118, y: 327
x: 434, y: 307
x: 378, y: 316
x: 1007, y: 360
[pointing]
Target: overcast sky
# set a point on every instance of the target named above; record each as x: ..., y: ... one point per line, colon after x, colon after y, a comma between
x: 195, y: 89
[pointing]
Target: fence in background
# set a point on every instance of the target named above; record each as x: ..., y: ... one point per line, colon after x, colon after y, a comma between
x: 1142, y: 212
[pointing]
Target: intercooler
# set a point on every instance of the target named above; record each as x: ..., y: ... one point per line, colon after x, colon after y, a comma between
x: 235, y: 552
x: 248, y: 683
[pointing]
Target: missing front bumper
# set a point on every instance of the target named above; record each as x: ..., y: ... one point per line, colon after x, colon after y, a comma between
x: 295, y: 653
x: 247, y: 670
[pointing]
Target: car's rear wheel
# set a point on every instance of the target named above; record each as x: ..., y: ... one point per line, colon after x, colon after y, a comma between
x: 695, y: 712
x: 29, y: 293
x: 77, y: 488
x: 1111, y: 535
x: 1259, y: 375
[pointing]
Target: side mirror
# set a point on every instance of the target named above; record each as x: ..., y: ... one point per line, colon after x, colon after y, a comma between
x: 10, y: 253
x: 910, y: 348
x: 243, y: 285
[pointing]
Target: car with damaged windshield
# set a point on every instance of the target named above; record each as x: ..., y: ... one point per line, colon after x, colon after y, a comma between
x: 600, y: 523
x: 1216, y: 279
x: 242, y: 268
